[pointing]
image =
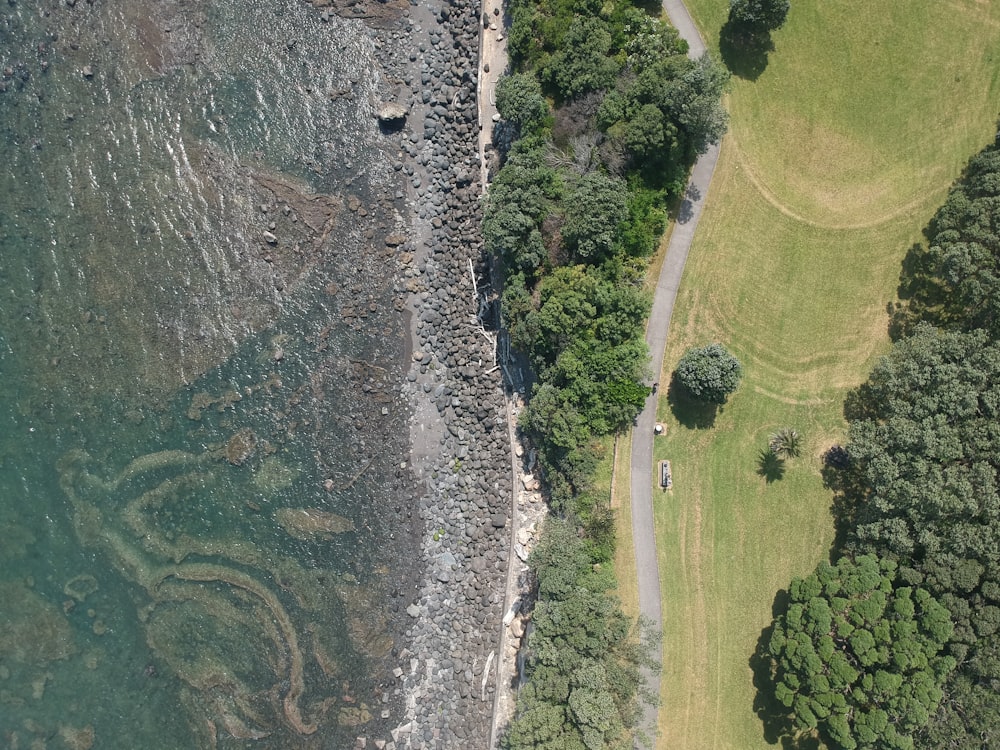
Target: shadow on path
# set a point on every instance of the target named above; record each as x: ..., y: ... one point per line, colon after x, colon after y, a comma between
x: 685, y: 211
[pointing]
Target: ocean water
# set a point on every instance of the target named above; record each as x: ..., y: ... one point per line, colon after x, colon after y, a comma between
x: 206, y: 516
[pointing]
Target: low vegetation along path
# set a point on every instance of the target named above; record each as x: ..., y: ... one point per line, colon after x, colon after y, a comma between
x: 643, y: 531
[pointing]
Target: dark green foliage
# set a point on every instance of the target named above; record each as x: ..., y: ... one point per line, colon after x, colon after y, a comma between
x: 954, y: 282
x: 709, y: 373
x: 646, y: 221
x: 696, y: 102
x: 925, y: 443
x: 858, y: 657
x: 576, y: 304
x: 919, y: 481
x: 521, y: 196
x: 584, y: 60
x: 584, y: 337
x: 520, y: 100
x: 967, y: 718
x: 666, y: 114
x: 922, y: 487
x: 601, y: 534
x: 584, y: 655
x: 595, y: 210
x: 761, y: 15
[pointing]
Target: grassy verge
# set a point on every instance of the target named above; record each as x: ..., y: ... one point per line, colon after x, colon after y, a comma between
x: 621, y: 501
x: 839, y: 153
x: 611, y: 480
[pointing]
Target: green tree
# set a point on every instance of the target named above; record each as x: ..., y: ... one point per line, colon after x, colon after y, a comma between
x: 583, y: 654
x: 583, y: 61
x: 759, y: 15
x: 696, y: 104
x: 667, y: 114
x: 709, y: 373
x: 567, y: 310
x: 925, y: 449
x: 645, y: 134
x: 921, y: 486
x: 954, y: 281
x: 595, y: 211
x: 522, y: 194
x: 858, y: 658
x: 520, y: 100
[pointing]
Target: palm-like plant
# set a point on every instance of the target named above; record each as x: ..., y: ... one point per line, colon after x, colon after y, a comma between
x: 785, y: 442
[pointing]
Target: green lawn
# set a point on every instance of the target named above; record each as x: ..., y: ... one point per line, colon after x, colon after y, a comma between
x: 838, y: 155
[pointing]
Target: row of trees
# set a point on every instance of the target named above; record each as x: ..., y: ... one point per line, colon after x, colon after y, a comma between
x: 584, y: 653
x: 607, y: 114
x: 918, y: 506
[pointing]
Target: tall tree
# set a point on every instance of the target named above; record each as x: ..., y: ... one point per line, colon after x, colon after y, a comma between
x: 520, y: 100
x: 921, y: 486
x: 584, y: 60
x: 583, y: 655
x: 925, y: 448
x: 759, y: 15
x: 596, y: 208
x: 858, y: 658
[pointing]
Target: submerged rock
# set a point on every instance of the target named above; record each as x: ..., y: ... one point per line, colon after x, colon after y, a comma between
x: 309, y: 523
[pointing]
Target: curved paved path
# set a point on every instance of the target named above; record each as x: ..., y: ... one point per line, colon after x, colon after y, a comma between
x: 642, y: 473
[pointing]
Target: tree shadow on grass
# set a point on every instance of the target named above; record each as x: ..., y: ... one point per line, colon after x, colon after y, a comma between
x: 848, y: 495
x: 776, y: 720
x: 770, y: 465
x: 744, y: 50
x: 689, y: 411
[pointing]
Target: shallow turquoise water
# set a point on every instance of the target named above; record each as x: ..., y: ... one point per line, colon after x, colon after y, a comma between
x: 199, y: 465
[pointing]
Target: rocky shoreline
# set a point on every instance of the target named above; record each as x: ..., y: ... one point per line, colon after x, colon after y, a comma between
x: 459, y: 426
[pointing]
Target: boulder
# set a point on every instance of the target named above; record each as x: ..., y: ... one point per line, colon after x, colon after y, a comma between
x: 391, y: 112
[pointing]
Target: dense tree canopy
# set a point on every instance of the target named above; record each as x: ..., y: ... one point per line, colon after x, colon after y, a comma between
x: 595, y: 211
x: 520, y: 100
x: 521, y: 196
x: 922, y: 488
x: 858, y: 658
x: 925, y: 445
x: 584, y: 655
x: 954, y: 281
x: 709, y: 373
x: 919, y: 481
x: 583, y: 61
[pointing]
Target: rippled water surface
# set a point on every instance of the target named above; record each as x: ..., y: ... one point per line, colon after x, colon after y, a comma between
x: 202, y: 503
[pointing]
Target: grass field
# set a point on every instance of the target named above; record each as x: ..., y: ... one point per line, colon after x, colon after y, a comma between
x: 839, y: 153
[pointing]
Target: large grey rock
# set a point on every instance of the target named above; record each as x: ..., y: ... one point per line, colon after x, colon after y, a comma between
x: 391, y: 112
